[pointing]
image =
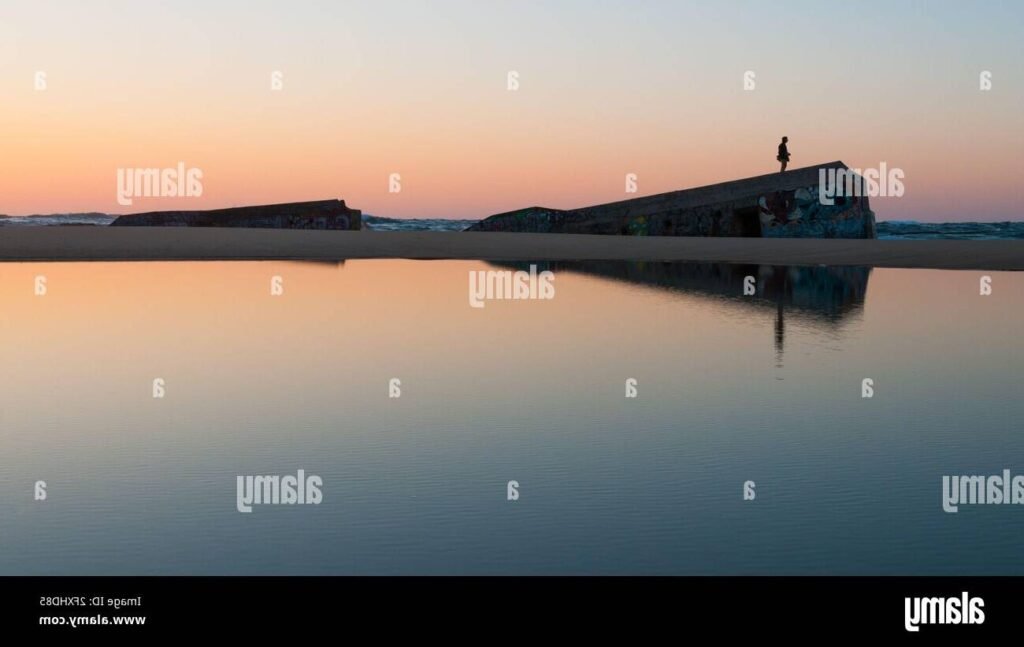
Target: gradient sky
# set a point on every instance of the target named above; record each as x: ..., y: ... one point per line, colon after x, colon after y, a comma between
x: 419, y: 88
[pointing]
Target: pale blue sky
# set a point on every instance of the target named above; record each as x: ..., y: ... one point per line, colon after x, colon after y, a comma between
x: 607, y: 88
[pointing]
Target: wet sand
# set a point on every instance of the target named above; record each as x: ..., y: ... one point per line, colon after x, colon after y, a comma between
x: 73, y: 243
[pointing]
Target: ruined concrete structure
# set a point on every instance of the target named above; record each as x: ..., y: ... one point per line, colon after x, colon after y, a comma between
x: 777, y: 205
x: 319, y: 214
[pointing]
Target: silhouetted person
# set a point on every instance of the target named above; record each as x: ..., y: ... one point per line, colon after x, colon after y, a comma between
x: 783, y: 155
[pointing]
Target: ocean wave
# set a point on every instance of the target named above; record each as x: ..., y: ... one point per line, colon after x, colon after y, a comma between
x: 379, y: 223
x: 57, y: 219
x: 913, y: 230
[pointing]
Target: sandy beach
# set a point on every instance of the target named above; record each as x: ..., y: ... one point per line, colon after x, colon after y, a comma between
x: 73, y: 243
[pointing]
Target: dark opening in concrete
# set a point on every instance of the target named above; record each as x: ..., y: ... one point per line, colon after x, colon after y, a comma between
x: 747, y: 222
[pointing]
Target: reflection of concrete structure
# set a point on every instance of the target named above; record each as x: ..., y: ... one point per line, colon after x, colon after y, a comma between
x: 320, y: 214
x: 777, y: 205
x: 820, y: 296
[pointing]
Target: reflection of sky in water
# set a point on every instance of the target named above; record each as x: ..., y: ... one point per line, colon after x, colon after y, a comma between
x: 731, y: 388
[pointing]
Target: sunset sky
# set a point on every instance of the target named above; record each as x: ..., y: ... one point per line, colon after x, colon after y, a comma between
x: 420, y: 89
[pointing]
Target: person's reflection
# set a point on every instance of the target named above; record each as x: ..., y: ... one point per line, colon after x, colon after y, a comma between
x: 780, y: 333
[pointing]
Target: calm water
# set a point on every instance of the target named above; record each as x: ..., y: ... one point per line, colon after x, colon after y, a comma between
x: 730, y: 389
